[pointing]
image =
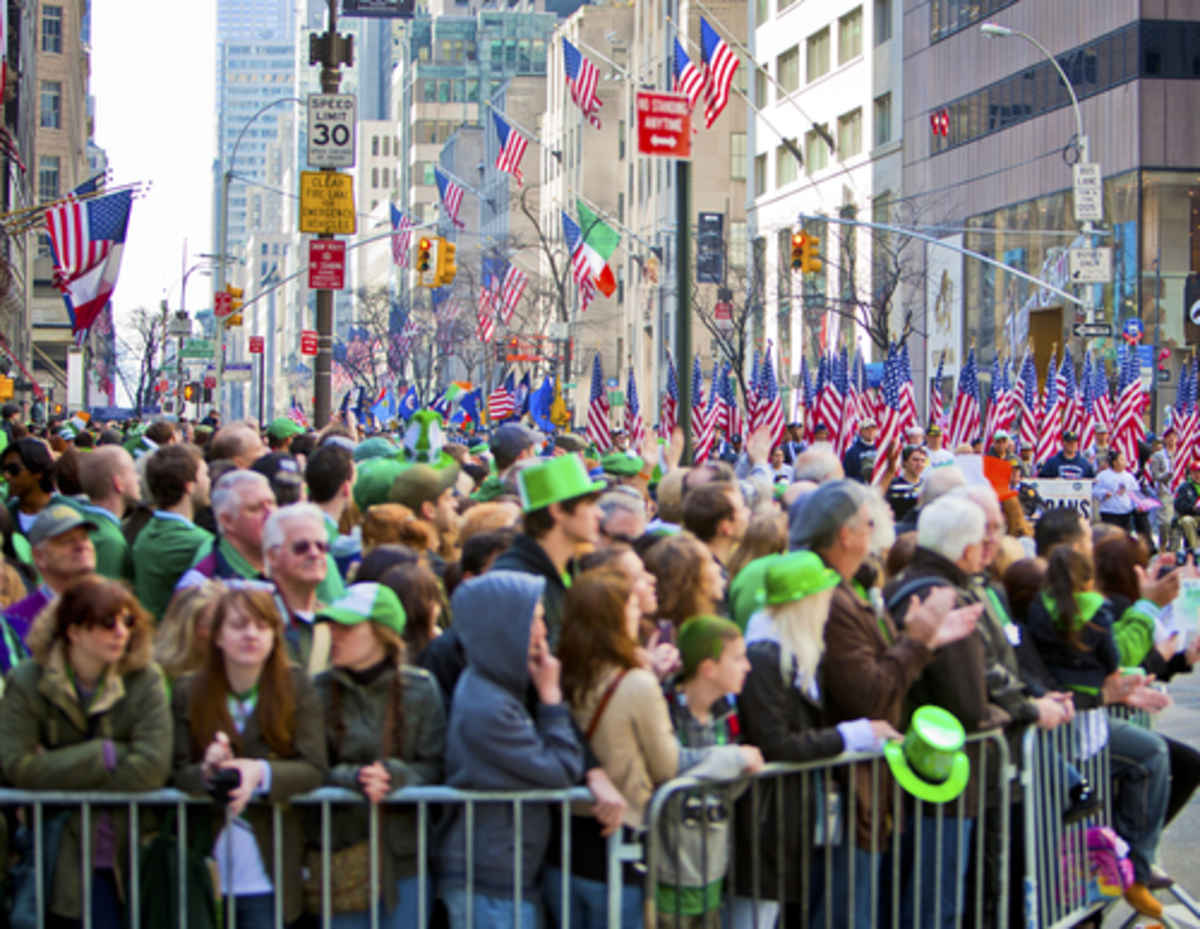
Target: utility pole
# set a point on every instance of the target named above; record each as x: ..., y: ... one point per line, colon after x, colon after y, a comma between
x: 330, y: 51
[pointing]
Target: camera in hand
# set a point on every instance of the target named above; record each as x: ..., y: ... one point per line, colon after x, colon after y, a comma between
x: 223, y: 783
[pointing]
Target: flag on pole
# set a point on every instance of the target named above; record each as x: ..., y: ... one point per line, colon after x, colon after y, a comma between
x: 1072, y: 407
x: 452, y: 196
x: 1087, y: 405
x: 1186, y: 420
x: 1049, y: 440
x: 891, y: 427
x: 8, y: 145
x: 994, y: 410
x: 829, y: 401
x: 584, y: 81
x: 698, y: 412
x: 1127, y: 419
x: 735, y: 422
x: 598, y: 432
x: 908, y: 394
x: 803, y: 394
x: 87, y: 240
x: 1100, y: 396
x: 689, y: 80
x: 401, y: 236
x: 511, y: 289
x: 1027, y: 398
x: 634, y: 424
x: 937, y: 402
x: 770, y: 404
x: 964, y: 422
x: 489, y: 292
x: 500, y: 403
x: 512, y: 148
x: 720, y: 63
x: 580, y: 268
x: 599, y: 242
x: 668, y: 415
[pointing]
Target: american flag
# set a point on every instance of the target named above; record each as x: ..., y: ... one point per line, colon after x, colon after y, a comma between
x: 512, y: 148
x: 995, y: 395
x: 485, y: 323
x: 770, y: 404
x: 634, y: 424
x: 296, y: 414
x: 452, y: 196
x: 1072, y: 408
x: 407, y: 334
x: 829, y: 401
x: 937, y: 402
x: 1185, y: 420
x: 598, y: 432
x: 8, y: 146
x: 584, y: 80
x: 1049, y: 440
x: 1100, y: 396
x: 668, y: 415
x: 851, y: 414
x: 689, y: 80
x: 698, y: 412
x: 87, y: 239
x: 1127, y: 425
x: 489, y: 291
x: 891, y: 430
x: 804, y: 393
x: 1027, y: 398
x: 964, y: 422
x: 580, y: 269
x: 511, y: 289
x: 1087, y: 405
x: 1010, y: 404
x: 752, y: 391
x: 718, y: 414
x: 401, y: 236
x: 703, y: 419
x: 719, y: 65
x: 500, y: 403
x: 735, y: 422
x: 908, y: 393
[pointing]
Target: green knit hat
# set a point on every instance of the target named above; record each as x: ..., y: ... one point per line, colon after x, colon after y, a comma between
x: 796, y: 576
x: 366, y: 602
x: 703, y: 637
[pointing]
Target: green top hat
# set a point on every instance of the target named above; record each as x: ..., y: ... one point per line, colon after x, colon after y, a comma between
x: 553, y: 481
x: 796, y: 576
x: 930, y: 763
x: 366, y: 602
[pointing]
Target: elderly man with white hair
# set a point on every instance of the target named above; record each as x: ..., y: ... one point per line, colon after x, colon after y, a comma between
x: 295, y: 550
x: 951, y: 532
x: 242, y: 501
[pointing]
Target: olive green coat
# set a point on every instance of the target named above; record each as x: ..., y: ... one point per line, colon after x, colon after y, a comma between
x: 363, y: 710
x: 302, y: 771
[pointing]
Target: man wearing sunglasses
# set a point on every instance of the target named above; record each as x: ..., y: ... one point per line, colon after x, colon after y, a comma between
x: 62, y: 553
x: 295, y: 551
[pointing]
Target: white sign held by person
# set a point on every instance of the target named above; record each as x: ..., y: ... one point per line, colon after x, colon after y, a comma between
x: 1060, y: 492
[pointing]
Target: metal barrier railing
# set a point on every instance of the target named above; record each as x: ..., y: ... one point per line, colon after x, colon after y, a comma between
x: 853, y: 860
x: 426, y: 800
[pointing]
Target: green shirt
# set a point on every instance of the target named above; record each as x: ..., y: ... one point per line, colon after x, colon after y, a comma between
x: 162, y: 553
x: 113, y: 558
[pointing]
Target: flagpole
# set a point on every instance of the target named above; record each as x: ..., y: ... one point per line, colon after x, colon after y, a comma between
x: 616, y: 222
x: 460, y: 182
x: 533, y: 136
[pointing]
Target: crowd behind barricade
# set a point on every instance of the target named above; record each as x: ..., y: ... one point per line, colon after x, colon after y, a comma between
x: 249, y: 615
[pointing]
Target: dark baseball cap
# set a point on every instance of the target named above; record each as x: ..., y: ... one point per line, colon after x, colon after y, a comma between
x: 56, y: 519
x: 1069, y: 436
x: 509, y: 440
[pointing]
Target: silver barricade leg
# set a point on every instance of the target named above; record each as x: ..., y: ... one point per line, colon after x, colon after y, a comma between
x: 135, y: 877
x: 962, y: 851
x: 423, y: 901
x: 373, y: 862
x: 780, y: 871
x: 470, y: 854
x: 565, y: 866
x: 85, y: 844
x: 277, y: 832
x: 979, y: 839
x: 181, y: 848
x: 615, y: 886
x: 39, y: 876
x: 897, y: 896
x: 517, y: 824
x: 1005, y: 825
x: 326, y: 881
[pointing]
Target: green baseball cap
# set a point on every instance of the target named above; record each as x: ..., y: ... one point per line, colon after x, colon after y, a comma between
x: 797, y: 575
x: 930, y: 763
x: 621, y: 464
x: 366, y: 602
x: 283, y: 428
x: 553, y: 481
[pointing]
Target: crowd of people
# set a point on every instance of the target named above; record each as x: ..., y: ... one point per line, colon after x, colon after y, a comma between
x: 249, y: 614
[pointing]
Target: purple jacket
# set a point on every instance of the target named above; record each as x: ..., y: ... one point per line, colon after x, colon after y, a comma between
x: 18, y: 618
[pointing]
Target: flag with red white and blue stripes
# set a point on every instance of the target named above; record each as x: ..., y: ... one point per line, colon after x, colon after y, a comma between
x: 584, y: 81
x: 689, y: 79
x: 598, y: 431
x: 512, y: 148
x: 452, y: 196
x: 720, y: 63
x: 668, y: 414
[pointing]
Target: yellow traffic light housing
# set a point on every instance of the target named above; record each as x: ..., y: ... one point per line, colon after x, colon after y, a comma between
x: 233, y: 320
x: 425, y: 255
x: 810, y: 261
x: 235, y: 298
x: 446, y: 268
x: 798, y: 241
x: 189, y: 392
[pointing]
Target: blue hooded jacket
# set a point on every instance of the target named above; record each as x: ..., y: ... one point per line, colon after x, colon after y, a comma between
x: 493, y: 743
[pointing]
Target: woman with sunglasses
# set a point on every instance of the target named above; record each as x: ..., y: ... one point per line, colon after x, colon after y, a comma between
x: 250, y: 717
x: 296, y: 559
x: 88, y: 712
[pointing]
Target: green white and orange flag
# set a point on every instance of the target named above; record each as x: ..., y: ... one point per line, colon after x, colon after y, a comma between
x: 599, y: 242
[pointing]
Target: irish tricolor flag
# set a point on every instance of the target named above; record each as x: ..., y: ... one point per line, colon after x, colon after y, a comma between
x: 599, y: 242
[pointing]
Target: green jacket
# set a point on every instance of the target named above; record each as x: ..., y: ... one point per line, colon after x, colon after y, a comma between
x: 490, y: 488
x: 303, y: 770
x: 162, y: 553
x: 49, y: 741
x: 362, y: 712
x: 113, y: 557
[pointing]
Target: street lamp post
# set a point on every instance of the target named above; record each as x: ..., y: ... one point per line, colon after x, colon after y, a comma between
x: 224, y: 257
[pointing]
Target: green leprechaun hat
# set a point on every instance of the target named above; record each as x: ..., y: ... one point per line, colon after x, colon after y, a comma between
x: 930, y: 763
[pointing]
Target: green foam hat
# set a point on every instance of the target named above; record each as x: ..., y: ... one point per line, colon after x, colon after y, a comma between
x: 424, y: 441
x: 554, y: 480
x: 930, y: 763
x: 374, y: 479
x: 366, y: 602
x: 797, y: 575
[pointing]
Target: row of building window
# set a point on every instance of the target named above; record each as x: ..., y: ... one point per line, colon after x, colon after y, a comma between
x: 52, y: 29
x: 882, y: 20
x: 947, y: 17
x: 387, y: 145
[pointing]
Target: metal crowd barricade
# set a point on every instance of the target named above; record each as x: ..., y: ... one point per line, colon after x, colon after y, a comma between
x: 325, y: 800
x: 912, y: 881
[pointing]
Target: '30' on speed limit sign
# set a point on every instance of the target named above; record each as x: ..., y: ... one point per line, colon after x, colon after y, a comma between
x: 331, y: 119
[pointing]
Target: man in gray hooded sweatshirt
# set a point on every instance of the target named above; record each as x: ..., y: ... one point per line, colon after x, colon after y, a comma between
x: 494, y: 743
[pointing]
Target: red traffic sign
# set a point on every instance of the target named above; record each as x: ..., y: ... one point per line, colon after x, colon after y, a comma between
x: 664, y: 125
x: 210, y: 381
x: 256, y: 345
x: 326, y: 264
x: 222, y: 304
x: 308, y: 341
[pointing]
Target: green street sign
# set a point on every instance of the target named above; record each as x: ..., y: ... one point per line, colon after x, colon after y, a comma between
x: 201, y: 349
x: 570, y: 386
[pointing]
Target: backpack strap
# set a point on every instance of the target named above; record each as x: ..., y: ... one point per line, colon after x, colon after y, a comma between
x: 603, y: 704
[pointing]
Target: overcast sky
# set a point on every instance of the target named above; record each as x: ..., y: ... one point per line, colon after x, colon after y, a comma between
x: 152, y: 82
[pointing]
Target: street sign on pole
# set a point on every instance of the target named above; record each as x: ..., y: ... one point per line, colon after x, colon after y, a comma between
x: 327, y: 203
x: 222, y: 304
x: 199, y: 349
x: 1092, y: 330
x: 331, y: 121
x: 1089, y: 193
x: 1089, y: 265
x: 327, y: 264
x: 179, y: 326
x: 308, y: 342
x: 256, y: 344
x: 664, y: 125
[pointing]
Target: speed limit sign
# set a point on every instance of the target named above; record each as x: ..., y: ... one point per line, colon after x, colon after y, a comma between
x: 331, y: 120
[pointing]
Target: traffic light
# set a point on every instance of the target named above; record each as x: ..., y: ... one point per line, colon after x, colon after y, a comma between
x: 235, y: 298
x: 425, y: 254
x: 810, y: 261
x: 446, y: 268
x: 798, y: 241
x: 189, y: 392
x: 234, y: 320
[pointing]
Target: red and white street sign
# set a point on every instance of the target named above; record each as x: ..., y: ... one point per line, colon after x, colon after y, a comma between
x: 723, y: 315
x: 210, y: 381
x: 308, y: 341
x: 664, y: 125
x: 222, y: 304
x: 326, y: 264
x: 256, y: 345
